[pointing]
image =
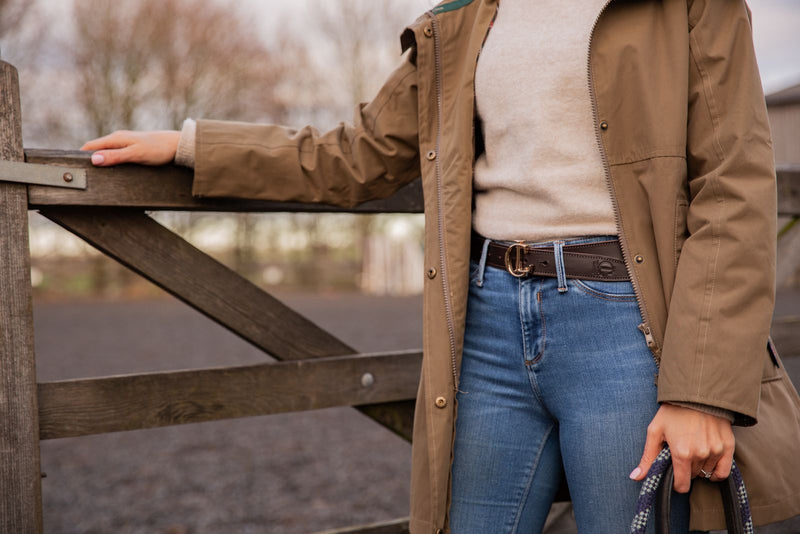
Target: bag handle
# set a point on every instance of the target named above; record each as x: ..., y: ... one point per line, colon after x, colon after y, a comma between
x: 656, y: 493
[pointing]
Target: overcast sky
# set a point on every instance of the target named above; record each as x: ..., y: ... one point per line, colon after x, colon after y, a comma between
x: 776, y: 32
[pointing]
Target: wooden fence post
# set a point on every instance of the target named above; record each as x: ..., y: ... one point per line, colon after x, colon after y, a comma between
x: 20, y: 475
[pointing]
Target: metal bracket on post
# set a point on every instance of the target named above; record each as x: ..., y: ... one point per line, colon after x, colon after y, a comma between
x: 34, y: 173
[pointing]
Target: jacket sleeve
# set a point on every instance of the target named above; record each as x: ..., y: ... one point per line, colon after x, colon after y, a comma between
x: 370, y: 158
x: 721, y: 307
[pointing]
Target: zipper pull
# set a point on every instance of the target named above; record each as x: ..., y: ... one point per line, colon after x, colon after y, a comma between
x: 650, y: 339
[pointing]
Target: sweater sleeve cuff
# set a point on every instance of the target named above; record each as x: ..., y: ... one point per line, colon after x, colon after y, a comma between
x: 705, y: 408
x: 184, y: 155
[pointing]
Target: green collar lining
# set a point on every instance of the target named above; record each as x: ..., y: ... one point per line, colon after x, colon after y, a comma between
x: 450, y: 6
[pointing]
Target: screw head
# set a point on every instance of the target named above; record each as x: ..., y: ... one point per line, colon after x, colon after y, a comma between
x: 367, y: 379
x: 68, y: 177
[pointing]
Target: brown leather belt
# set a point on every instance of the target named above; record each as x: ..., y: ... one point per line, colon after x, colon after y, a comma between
x: 601, y: 260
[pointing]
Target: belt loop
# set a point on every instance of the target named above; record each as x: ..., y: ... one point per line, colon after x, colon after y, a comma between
x: 558, y: 252
x: 482, y: 264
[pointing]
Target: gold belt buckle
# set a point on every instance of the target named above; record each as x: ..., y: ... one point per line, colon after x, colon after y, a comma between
x: 517, y: 269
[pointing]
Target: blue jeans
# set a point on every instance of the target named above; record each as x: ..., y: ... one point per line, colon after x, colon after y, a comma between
x: 552, y: 381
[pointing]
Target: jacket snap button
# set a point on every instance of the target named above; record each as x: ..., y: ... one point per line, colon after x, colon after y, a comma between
x: 604, y: 125
x: 441, y: 402
x: 639, y: 258
x: 431, y: 155
x: 432, y: 273
x: 428, y: 31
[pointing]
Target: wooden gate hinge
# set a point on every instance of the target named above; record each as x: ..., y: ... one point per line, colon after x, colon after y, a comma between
x: 37, y: 174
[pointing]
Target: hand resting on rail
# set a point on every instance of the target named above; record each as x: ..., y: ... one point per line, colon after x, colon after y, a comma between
x: 125, y: 146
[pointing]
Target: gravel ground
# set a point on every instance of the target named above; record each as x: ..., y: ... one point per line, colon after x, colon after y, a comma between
x: 293, y: 473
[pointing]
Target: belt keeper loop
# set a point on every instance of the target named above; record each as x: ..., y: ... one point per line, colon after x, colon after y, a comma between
x: 482, y: 264
x: 558, y: 252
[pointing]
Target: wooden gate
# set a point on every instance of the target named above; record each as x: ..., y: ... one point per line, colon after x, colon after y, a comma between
x: 315, y: 369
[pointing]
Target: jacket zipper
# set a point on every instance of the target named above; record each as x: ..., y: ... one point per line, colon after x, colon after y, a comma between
x: 645, y: 326
x: 448, y: 305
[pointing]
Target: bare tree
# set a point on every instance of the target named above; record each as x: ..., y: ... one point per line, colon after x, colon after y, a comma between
x: 152, y: 63
x: 362, y: 36
x: 19, y: 40
x: 12, y: 13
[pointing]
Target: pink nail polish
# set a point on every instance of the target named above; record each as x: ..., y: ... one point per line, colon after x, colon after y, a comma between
x: 97, y: 159
x: 635, y: 473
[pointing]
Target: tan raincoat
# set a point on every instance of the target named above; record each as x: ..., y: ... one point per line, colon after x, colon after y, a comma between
x: 682, y: 127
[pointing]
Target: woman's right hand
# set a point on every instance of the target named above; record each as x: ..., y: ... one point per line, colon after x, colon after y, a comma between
x: 124, y: 146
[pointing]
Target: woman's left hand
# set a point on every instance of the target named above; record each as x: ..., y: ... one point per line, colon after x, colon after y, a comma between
x: 697, y: 441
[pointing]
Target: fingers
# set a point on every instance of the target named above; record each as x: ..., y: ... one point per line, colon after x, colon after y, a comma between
x: 698, y: 441
x: 148, y: 148
x: 723, y: 468
x: 106, y: 158
x: 118, y: 139
x: 111, y: 149
x: 682, y: 468
x: 652, y: 447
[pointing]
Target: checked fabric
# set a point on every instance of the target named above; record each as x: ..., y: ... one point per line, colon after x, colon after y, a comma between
x: 647, y: 495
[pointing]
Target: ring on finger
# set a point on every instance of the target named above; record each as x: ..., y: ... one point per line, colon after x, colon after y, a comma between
x: 706, y: 474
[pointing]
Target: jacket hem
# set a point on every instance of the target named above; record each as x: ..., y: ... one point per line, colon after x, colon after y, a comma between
x: 764, y: 514
x: 742, y: 416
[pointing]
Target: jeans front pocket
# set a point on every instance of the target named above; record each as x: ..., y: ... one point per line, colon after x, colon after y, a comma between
x: 618, y: 291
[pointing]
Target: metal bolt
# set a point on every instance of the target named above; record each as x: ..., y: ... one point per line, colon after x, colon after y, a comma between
x: 367, y: 380
x: 68, y: 177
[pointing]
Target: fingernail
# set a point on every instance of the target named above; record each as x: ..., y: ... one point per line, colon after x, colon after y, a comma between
x: 97, y: 159
x: 635, y: 473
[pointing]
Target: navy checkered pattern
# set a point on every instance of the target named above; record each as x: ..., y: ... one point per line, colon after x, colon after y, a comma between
x: 647, y: 495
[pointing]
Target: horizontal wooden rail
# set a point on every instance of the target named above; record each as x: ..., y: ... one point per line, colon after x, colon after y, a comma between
x: 170, y: 188
x: 131, y: 402
x: 398, y: 526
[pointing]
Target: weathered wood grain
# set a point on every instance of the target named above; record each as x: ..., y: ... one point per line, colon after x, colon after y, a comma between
x: 20, y: 478
x: 397, y: 526
x: 161, y: 256
x: 170, y: 188
x: 132, y: 402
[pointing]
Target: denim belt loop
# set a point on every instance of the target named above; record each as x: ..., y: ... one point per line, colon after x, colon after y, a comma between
x: 558, y: 252
x: 482, y: 264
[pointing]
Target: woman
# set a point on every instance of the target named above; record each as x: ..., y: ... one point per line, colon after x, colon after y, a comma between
x: 627, y: 213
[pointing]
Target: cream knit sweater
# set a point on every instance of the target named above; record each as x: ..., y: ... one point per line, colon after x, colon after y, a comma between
x: 541, y: 176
